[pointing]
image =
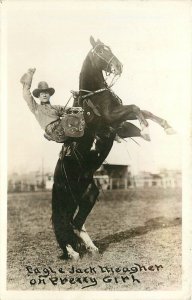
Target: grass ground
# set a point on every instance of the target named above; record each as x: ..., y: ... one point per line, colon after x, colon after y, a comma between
x: 138, y: 233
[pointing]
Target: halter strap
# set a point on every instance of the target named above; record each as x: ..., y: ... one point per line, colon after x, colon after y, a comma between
x: 103, y: 45
x: 94, y: 52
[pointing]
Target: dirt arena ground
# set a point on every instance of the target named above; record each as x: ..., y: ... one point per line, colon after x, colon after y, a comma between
x: 138, y: 233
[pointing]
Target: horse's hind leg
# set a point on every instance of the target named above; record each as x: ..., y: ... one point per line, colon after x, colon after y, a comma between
x: 85, y: 206
x: 163, y: 123
x: 62, y: 210
x: 84, y: 236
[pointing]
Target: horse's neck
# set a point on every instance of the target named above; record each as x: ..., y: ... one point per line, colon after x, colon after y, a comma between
x: 91, y: 78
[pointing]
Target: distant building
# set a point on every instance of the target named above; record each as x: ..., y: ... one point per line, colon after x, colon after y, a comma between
x: 109, y: 176
x: 146, y: 179
x: 171, y: 178
x: 116, y: 176
x: 165, y: 178
x: 29, y: 182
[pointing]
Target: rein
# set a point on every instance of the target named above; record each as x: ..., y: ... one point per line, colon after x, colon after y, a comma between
x: 113, y: 80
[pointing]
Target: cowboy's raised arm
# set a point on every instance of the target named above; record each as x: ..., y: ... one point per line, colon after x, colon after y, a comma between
x: 26, y: 80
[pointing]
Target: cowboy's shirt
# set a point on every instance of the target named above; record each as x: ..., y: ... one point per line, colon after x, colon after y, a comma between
x: 44, y: 113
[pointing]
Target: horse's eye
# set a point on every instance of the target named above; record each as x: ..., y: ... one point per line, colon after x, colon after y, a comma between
x: 101, y: 51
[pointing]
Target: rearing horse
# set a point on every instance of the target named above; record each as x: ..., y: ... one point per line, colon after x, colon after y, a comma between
x: 75, y: 192
x: 97, y: 96
x: 105, y: 115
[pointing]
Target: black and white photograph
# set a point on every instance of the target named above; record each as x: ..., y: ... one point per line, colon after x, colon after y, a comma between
x: 95, y: 128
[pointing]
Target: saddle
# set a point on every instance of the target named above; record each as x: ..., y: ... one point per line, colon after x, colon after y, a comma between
x: 71, y: 125
x: 90, y: 111
x: 73, y: 122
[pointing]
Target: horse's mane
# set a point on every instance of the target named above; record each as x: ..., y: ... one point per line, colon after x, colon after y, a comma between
x: 90, y: 75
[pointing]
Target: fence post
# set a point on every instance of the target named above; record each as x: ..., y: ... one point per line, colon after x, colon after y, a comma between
x: 118, y: 183
x: 111, y: 183
x: 125, y: 183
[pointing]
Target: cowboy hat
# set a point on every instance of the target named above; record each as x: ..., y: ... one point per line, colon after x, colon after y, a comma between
x: 43, y: 87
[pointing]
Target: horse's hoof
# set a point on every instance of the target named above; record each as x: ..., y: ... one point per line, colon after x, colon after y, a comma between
x: 74, y: 257
x: 117, y: 139
x: 145, y: 134
x: 170, y: 131
x: 72, y: 254
x: 146, y: 137
x: 93, y: 251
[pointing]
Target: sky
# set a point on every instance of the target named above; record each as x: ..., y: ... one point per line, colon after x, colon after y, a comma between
x: 150, y: 38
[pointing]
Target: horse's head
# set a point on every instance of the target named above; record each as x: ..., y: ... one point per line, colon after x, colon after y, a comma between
x: 104, y: 59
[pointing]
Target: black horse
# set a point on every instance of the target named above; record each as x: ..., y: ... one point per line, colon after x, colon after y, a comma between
x: 74, y: 191
x: 104, y: 109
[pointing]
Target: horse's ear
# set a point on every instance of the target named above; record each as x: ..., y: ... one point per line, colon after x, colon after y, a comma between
x: 92, y: 41
x: 99, y: 42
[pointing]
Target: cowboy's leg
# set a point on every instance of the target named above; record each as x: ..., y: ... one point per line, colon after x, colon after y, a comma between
x: 55, y: 132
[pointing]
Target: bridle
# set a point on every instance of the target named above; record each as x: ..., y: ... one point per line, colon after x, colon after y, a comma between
x: 100, y: 56
x: 107, y: 72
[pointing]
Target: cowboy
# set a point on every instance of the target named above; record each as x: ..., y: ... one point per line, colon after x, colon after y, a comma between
x: 51, y: 118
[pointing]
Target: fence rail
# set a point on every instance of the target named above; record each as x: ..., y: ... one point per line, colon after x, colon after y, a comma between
x: 104, y: 183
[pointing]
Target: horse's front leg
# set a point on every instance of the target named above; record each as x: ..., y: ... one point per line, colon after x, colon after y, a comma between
x: 127, y: 112
x: 162, y: 122
x: 133, y: 109
x: 127, y: 129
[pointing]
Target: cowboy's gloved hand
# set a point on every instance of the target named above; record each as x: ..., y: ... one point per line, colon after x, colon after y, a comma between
x: 27, y: 77
x: 31, y: 71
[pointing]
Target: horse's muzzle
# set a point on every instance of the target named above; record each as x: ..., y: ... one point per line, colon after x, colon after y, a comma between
x: 116, y: 66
